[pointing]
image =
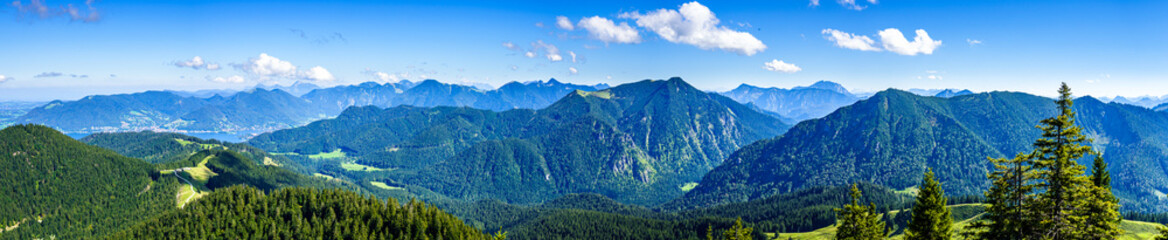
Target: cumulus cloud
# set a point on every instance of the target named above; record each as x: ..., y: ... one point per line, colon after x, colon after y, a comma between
x: 849, y: 4
x: 696, y: 25
x: 266, y: 66
x: 779, y: 66
x: 48, y: 75
x: 38, y: 9
x: 563, y: 23
x: 607, y: 31
x: 894, y: 41
x: 972, y: 41
x: 231, y: 79
x: 850, y: 41
x: 550, y: 51
x: 5, y: 78
x: 891, y: 39
x: 529, y: 54
x: 511, y: 46
x: 387, y: 77
x: 318, y: 73
x: 196, y: 63
x: 573, y: 71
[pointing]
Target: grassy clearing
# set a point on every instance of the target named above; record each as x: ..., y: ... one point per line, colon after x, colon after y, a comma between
x: 329, y: 155
x: 201, y: 145
x: 605, y: 94
x: 201, y: 172
x: 382, y: 185
x: 323, y: 176
x: 270, y: 162
x: 186, y: 194
x: 356, y: 167
x: 1132, y: 230
x: 688, y: 186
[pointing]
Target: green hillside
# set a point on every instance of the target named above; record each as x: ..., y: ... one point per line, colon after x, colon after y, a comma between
x: 55, y: 186
x: 637, y: 143
x: 165, y: 148
x: 299, y: 213
x: 892, y: 137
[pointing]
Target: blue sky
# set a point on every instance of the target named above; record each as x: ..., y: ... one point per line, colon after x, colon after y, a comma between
x: 1102, y: 48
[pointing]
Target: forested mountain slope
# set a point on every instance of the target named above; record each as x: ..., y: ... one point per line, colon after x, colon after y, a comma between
x: 162, y: 148
x: 55, y: 186
x: 638, y: 142
x: 890, y: 138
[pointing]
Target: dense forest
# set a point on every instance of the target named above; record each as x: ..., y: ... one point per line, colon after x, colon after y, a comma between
x: 54, y: 186
x: 297, y: 213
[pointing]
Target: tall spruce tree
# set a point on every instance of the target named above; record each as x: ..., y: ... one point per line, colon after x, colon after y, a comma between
x: 1013, y: 189
x: 858, y: 222
x: 1060, y: 205
x: 931, y: 220
x: 1101, y: 207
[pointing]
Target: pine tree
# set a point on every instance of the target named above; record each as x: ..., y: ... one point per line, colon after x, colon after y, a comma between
x: 737, y: 232
x: 1101, y: 207
x: 931, y: 220
x: 1059, y: 206
x: 858, y: 222
x: 1013, y: 188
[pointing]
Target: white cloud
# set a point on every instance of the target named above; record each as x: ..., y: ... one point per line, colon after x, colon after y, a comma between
x: 935, y: 77
x: 196, y: 63
x: 231, y: 79
x: 573, y: 71
x: 563, y: 23
x: 37, y: 8
x: 891, y: 39
x: 851, y: 4
x: 386, y: 77
x: 511, y: 46
x: 514, y: 67
x: 850, y: 41
x: 318, y: 73
x: 5, y: 78
x: 894, y: 41
x: 529, y: 54
x: 573, y: 54
x: 972, y: 41
x: 779, y: 66
x: 607, y: 31
x: 550, y: 51
x: 266, y: 66
x: 695, y: 24
x: 609, y: 77
x: 814, y: 3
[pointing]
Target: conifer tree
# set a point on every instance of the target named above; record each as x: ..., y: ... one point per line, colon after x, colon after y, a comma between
x: 1101, y: 207
x: 1007, y: 217
x: 737, y: 232
x: 858, y: 222
x: 1060, y: 205
x: 931, y: 220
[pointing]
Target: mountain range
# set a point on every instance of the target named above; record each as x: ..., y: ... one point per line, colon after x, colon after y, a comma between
x: 640, y: 143
x: 261, y: 109
x: 890, y: 138
x: 797, y: 104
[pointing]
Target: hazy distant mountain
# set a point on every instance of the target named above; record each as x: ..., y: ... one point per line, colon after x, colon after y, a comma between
x: 1161, y: 107
x: 206, y: 93
x: 296, y: 89
x: 890, y: 138
x: 799, y: 103
x: 948, y: 93
x: 9, y: 111
x: 429, y: 93
x: 1145, y: 101
x: 272, y: 107
x: 638, y: 142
